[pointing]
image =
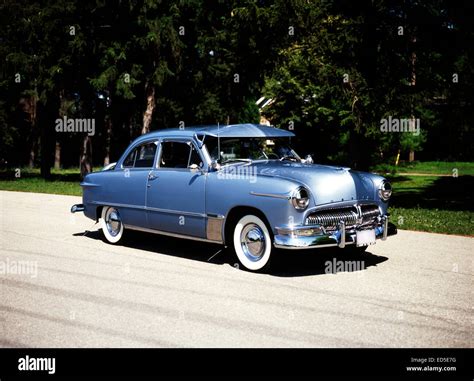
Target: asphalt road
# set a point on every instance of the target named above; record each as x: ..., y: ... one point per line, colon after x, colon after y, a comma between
x: 74, y: 290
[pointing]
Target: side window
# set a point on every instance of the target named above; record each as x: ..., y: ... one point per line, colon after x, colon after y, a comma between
x: 141, y: 157
x: 178, y: 155
x: 130, y: 159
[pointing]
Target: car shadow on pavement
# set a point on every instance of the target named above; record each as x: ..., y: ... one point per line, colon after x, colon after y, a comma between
x: 164, y: 245
x: 292, y: 263
x: 285, y: 263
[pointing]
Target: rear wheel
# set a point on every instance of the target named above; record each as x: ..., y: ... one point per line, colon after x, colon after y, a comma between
x: 252, y: 243
x: 111, y: 224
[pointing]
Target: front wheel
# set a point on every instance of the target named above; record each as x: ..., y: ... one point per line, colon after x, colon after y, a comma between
x: 111, y: 224
x: 252, y: 243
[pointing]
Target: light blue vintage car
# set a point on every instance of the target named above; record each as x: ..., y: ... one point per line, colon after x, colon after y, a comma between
x: 240, y: 185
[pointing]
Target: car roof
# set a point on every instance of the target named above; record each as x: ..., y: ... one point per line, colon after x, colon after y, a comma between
x: 246, y: 130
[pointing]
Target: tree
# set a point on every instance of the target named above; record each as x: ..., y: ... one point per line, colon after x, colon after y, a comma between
x: 334, y: 70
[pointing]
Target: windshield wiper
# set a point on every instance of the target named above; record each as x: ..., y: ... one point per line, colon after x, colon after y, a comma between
x: 289, y: 158
x: 236, y: 160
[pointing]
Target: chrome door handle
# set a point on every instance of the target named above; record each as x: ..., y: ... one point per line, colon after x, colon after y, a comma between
x: 152, y: 176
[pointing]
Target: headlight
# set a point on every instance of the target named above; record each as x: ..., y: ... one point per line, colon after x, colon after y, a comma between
x: 385, y: 190
x: 300, y: 198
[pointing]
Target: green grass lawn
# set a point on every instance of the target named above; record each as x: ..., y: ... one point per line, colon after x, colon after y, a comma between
x: 433, y: 204
x: 433, y: 220
x: 439, y: 204
x: 64, y: 181
x: 39, y: 185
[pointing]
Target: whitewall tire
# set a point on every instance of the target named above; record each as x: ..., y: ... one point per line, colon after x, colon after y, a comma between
x: 252, y: 243
x: 111, y: 224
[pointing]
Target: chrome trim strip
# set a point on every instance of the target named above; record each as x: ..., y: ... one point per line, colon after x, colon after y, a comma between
x: 340, y: 204
x: 175, y: 235
x: 213, y: 215
x: 289, y: 229
x: 308, y: 247
x: 169, y: 211
x: 147, y: 208
x: 274, y: 195
x: 89, y: 185
x: 385, y: 228
x: 287, y: 247
x: 117, y: 205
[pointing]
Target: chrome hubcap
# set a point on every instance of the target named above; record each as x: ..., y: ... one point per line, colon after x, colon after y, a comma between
x: 113, y: 222
x: 252, y: 240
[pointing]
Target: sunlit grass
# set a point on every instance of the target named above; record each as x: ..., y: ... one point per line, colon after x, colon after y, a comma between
x: 63, y: 181
x: 424, y: 203
x: 433, y: 204
x: 446, y: 168
x: 433, y: 220
x: 39, y: 185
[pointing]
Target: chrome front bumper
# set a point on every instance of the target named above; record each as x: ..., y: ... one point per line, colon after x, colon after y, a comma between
x: 315, y: 236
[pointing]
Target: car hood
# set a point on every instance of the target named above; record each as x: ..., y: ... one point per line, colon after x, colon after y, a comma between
x: 327, y: 184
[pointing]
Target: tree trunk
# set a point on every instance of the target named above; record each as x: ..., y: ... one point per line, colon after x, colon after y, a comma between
x: 33, y: 140
x: 47, y: 113
x: 150, y: 106
x: 62, y: 113
x: 108, y: 138
x: 57, y: 156
x: 34, y: 147
x: 411, y: 155
x: 45, y: 166
x: 413, y: 63
x: 86, y: 156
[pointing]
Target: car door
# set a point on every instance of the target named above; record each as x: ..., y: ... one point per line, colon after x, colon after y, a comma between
x: 126, y: 185
x: 176, y: 192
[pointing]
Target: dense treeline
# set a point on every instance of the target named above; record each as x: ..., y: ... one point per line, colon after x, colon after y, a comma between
x: 330, y: 70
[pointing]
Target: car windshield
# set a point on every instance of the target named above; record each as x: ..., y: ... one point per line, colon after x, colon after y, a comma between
x: 249, y: 149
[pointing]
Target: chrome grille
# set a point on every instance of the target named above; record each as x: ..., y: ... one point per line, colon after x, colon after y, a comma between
x: 333, y: 217
x: 353, y: 215
x: 369, y: 212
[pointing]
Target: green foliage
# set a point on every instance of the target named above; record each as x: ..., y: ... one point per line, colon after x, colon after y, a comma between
x: 334, y: 69
x: 349, y: 68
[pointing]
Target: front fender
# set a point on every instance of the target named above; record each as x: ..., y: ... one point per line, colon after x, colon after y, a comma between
x: 269, y: 195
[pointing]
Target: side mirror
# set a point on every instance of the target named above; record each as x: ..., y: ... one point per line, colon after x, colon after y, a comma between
x: 308, y: 159
x: 215, y: 165
x: 195, y: 168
